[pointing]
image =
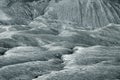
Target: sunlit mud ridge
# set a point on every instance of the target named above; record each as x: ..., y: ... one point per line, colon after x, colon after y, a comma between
x: 51, y: 45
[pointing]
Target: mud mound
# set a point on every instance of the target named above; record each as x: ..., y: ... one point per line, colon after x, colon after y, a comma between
x: 93, y: 63
x: 86, y: 13
x: 59, y: 40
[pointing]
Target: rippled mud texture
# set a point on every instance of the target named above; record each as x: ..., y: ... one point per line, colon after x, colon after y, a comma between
x: 42, y: 40
x: 12, y: 10
x: 86, y: 13
x: 59, y: 51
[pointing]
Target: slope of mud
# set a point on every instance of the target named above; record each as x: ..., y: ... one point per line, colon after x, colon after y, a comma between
x: 92, y: 63
x: 22, y: 11
x: 49, y: 49
x: 86, y: 13
x: 54, y: 46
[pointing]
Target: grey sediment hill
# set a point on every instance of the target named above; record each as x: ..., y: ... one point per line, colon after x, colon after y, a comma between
x: 59, y: 40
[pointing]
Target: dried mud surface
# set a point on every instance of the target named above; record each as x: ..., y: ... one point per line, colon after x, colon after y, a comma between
x: 52, y: 46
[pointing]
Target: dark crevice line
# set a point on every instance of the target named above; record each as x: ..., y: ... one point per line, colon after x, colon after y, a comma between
x: 105, y: 11
x: 81, y: 12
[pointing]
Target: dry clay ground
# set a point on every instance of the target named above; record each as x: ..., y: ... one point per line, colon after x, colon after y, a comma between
x: 55, y: 50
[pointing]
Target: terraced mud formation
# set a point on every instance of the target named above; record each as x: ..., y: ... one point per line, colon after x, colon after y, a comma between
x: 59, y: 40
